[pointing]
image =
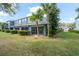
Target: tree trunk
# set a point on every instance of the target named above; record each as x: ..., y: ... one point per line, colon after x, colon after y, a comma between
x: 48, y: 24
x: 37, y: 25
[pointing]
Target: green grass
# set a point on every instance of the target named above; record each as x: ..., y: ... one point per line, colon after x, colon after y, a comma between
x: 66, y: 44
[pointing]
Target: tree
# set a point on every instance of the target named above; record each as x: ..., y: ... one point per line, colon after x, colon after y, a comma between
x: 77, y: 10
x: 71, y: 26
x: 3, y: 25
x: 46, y: 11
x: 9, y: 8
x: 36, y: 17
x: 52, y: 12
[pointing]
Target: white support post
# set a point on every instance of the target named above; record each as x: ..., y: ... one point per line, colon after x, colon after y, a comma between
x: 44, y: 31
x: 20, y: 28
x: 30, y: 29
x: 13, y: 28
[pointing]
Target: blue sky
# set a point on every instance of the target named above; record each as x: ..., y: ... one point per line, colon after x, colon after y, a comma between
x: 67, y: 11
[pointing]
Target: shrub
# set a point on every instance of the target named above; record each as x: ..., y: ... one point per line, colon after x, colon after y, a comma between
x: 60, y: 30
x: 13, y: 31
x: 23, y: 32
x: 2, y: 30
x: 7, y: 31
x: 75, y: 31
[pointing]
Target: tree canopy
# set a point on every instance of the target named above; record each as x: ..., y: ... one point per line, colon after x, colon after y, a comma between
x: 9, y: 8
x: 52, y: 12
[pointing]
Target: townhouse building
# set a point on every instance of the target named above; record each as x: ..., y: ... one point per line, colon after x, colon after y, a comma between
x: 26, y: 24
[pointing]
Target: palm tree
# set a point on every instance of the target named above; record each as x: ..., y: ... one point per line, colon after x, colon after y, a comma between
x: 50, y: 9
x: 46, y: 9
x: 35, y: 17
x: 77, y: 10
x: 9, y: 8
x: 2, y: 25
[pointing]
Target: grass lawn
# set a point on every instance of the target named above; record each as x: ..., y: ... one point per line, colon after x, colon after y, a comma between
x: 64, y: 44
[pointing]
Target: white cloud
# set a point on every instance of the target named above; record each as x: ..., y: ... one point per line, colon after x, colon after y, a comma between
x: 3, y: 14
x: 45, y: 15
x: 72, y: 19
x: 34, y: 9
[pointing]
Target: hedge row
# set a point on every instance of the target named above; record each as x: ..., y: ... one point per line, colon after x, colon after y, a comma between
x: 7, y: 31
x: 14, y: 31
x: 20, y: 32
x: 75, y: 31
x: 23, y: 32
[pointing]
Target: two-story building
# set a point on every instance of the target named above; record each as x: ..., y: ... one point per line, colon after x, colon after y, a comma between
x: 26, y: 24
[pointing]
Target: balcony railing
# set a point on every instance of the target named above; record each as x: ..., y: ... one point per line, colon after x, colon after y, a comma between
x: 26, y: 21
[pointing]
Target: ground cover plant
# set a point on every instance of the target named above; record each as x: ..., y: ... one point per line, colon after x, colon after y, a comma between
x: 66, y: 43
